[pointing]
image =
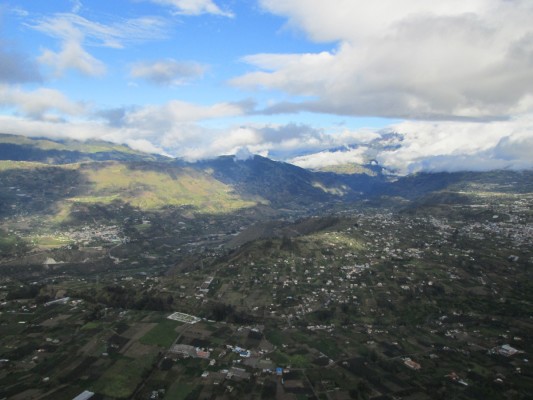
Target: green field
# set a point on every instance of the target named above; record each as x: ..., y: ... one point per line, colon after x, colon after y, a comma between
x: 179, y: 391
x: 50, y: 241
x: 8, y: 164
x: 275, y: 337
x: 7, y: 243
x: 162, y: 335
x: 121, y: 380
x: 92, y: 325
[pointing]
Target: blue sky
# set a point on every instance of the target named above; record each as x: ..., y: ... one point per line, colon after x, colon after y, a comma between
x: 290, y: 79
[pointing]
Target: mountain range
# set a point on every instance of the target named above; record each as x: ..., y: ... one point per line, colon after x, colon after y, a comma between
x: 346, y: 272
x: 58, y: 176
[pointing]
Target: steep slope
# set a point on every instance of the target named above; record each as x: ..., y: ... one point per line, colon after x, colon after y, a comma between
x: 34, y: 188
x: 503, y: 181
x: 282, y: 184
x: 42, y: 175
x: 153, y: 186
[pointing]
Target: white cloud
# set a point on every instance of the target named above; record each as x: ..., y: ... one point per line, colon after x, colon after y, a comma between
x: 329, y: 158
x: 187, y: 140
x: 168, y: 72
x: 405, y: 148
x: 145, y: 146
x: 244, y: 154
x: 114, y: 35
x: 194, y: 7
x: 176, y: 128
x: 79, y: 130
x: 74, y: 31
x: 459, y: 146
x: 288, y: 141
x: 72, y: 56
x: 517, y: 146
x: 208, y: 143
x: 39, y: 104
x: 404, y: 58
x: 175, y: 112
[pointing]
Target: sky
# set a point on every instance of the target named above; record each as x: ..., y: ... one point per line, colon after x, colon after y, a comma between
x: 412, y: 84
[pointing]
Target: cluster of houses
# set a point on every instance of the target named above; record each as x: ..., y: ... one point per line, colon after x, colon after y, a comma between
x: 505, y: 350
x: 185, y: 350
x: 197, y: 352
x: 204, y: 287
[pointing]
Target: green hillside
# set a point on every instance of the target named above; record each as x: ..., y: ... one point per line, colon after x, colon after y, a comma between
x: 150, y: 189
x: 37, y: 188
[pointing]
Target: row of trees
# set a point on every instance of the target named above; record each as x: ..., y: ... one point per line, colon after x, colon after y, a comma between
x: 127, y: 298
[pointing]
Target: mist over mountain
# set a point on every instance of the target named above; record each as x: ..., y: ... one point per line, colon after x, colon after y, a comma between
x: 104, y: 172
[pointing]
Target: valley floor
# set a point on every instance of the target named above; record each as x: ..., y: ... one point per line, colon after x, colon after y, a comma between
x: 362, y: 302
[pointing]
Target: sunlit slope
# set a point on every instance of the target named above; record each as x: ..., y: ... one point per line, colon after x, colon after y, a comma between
x: 36, y: 188
x: 151, y: 189
x: 64, y: 151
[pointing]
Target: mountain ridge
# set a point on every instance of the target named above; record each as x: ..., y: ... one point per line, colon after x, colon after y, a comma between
x: 102, y: 173
x: 66, y: 151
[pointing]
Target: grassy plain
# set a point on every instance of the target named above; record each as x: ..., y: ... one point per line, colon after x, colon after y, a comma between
x: 179, y: 390
x: 121, y: 379
x: 162, y: 335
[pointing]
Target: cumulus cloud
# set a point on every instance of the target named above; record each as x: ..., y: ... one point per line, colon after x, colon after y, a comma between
x: 41, y: 103
x: 458, y: 146
x: 145, y: 146
x: 515, y: 147
x: 194, y: 7
x: 74, y: 31
x: 167, y: 72
x: 332, y: 158
x: 185, y: 139
x: 280, y: 142
x: 73, y: 56
x: 165, y: 116
x: 459, y: 59
x: 244, y: 154
x: 79, y: 130
x: 176, y: 128
x: 409, y: 147
x: 292, y: 140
